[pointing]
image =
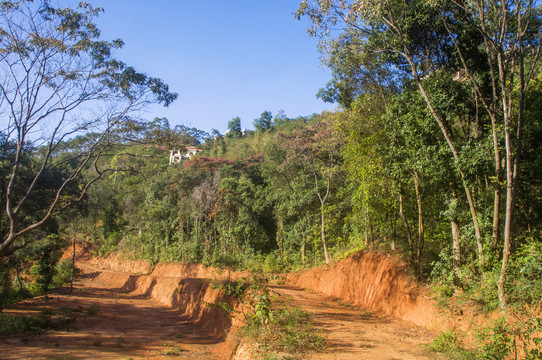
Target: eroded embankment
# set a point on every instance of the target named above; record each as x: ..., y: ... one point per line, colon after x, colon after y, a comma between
x: 186, y: 287
x: 373, y: 281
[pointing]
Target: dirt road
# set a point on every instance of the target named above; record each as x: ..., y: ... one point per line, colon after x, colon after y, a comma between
x: 112, y: 324
x: 357, y: 334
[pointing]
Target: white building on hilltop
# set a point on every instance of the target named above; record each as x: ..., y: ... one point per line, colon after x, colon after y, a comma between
x: 175, y: 156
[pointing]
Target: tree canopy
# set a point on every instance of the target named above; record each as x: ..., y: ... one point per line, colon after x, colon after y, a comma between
x: 60, y: 81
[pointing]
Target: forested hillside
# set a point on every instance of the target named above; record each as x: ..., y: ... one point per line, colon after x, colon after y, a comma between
x: 434, y: 154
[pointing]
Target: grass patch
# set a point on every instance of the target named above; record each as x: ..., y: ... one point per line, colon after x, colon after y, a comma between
x: 449, y: 345
x: 173, y: 351
x: 288, y: 334
x: 92, y: 310
x: 14, y: 324
x: 42, y: 321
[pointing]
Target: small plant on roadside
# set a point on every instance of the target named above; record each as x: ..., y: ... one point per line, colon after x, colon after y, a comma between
x: 13, y: 324
x: 497, y: 341
x: 173, y: 350
x: 63, y: 273
x: 287, y: 335
x: 67, y: 315
x: 42, y: 321
x: 92, y: 310
x: 286, y: 332
x: 531, y: 339
x: 120, y: 343
x: 48, y: 252
x: 449, y: 344
x: 255, y: 293
x: 260, y: 301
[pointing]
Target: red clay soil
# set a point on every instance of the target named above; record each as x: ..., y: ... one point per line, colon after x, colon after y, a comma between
x: 355, y: 333
x: 376, y: 282
x: 128, y: 324
x: 153, y: 315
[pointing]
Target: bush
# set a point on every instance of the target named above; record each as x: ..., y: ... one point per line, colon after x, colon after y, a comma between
x: 109, y: 244
x: 289, y: 330
x: 64, y: 272
x: 498, y: 340
x: 448, y: 343
x: 44, y: 320
x: 48, y: 252
x: 525, y: 274
x: 10, y: 324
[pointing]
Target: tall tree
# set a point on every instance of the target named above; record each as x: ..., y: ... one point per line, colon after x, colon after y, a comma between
x: 317, y: 148
x: 234, y: 127
x: 427, y: 38
x: 264, y: 122
x: 60, y: 80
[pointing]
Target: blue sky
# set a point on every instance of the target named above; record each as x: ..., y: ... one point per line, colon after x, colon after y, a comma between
x: 224, y: 58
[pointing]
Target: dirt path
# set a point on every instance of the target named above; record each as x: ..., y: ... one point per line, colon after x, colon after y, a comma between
x: 112, y: 325
x: 356, y: 334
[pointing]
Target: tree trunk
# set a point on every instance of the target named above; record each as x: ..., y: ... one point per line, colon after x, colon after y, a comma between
x: 303, y: 251
x: 510, y: 192
x: 512, y: 162
x: 280, y: 237
x: 5, y: 287
x: 497, y: 184
x: 393, y: 219
x: 420, y: 222
x: 456, y: 247
x: 18, y: 272
x: 407, y: 228
x: 367, y: 225
x: 455, y: 154
x: 73, y: 263
x: 326, y: 255
x: 371, y: 230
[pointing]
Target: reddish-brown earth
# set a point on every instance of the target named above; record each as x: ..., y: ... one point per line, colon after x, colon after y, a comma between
x: 354, y: 333
x: 127, y: 324
x: 374, y: 281
x: 148, y: 315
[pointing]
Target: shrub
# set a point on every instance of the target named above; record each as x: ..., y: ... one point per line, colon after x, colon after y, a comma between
x: 48, y: 252
x: 289, y: 330
x: 63, y: 272
x: 498, y: 340
x: 449, y: 344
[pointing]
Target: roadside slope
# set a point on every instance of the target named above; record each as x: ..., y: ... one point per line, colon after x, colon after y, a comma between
x: 373, y: 281
x: 121, y: 315
x: 353, y: 333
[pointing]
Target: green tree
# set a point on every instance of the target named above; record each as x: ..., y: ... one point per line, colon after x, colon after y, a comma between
x: 317, y: 148
x: 47, y: 252
x: 61, y: 81
x: 264, y: 122
x: 495, y: 47
x: 234, y: 127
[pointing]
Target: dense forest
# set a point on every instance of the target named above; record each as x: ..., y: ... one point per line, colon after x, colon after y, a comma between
x: 434, y: 154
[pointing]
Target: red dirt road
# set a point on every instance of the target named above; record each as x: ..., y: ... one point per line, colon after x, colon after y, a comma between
x: 356, y: 334
x: 112, y: 325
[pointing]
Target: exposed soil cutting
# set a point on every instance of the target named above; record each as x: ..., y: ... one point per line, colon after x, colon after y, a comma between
x: 163, y: 313
x: 354, y: 333
x: 127, y: 324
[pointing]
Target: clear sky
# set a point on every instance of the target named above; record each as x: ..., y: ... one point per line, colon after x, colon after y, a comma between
x: 224, y: 58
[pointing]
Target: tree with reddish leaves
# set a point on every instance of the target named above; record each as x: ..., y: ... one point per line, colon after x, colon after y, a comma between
x: 317, y: 149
